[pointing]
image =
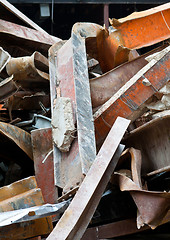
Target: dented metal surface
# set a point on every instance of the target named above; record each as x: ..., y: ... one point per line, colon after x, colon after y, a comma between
x: 78, y: 215
x: 129, y: 100
x: 29, y: 69
x: 153, y: 206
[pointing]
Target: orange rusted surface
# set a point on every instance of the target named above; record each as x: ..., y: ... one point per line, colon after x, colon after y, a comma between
x: 20, y: 195
x: 111, y: 51
x: 133, y: 32
x: 144, y: 28
x: 129, y: 101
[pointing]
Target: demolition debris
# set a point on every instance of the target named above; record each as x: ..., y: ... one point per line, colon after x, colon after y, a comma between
x: 84, y: 128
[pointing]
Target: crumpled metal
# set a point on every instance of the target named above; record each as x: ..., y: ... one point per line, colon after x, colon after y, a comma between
x: 153, y: 207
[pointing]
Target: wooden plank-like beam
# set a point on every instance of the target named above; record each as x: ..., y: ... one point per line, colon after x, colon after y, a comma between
x: 76, y: 218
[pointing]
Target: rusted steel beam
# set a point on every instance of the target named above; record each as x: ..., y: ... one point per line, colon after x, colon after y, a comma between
x: 43, y: 163
x: 104, y: 87
x: 25, y: 33
x: 129, y: 100
x: 78, y: 215
x: 138, y: 30
x: 153, y: 206
x: 24, y: 18
x: 72, y: 78
x: 23, y: 194
x: 112, y: 230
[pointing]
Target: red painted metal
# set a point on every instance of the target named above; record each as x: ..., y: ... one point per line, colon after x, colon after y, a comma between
x: 43, y: 163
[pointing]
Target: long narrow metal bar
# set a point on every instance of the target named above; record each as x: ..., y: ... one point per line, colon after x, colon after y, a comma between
x: 69, y: 72
x: 112, y: 230
x: 76, y: 218
x: 129, y: 100
x: 24, y: 18
x: 104, y: 87
x: 18, y: 31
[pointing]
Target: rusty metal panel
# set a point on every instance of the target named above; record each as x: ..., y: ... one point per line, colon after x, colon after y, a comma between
x: 43, y: 163
x: 78, y: 215
x: 23, y: 194
x: 20, y: 41
x: 129, y: 100
x: 152, y: 139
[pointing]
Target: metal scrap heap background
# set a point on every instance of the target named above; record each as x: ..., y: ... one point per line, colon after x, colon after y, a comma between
x: 85, y: 128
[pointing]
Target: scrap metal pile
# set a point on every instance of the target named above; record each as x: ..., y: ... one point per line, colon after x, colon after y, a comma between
x: 85, y: 128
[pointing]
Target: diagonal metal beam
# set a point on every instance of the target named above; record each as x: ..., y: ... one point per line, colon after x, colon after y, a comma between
x: 76, y: 218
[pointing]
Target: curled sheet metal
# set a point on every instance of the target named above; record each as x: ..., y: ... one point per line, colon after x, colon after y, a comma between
x: 153, y: 206
x: 33, y: 68
x: 141, y: 29
x: 18, y: 136
x: 4, y: 58
x: 133, y: 32
x: 8, y: 87
x: 32, y: 213
x: 111, y: 51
